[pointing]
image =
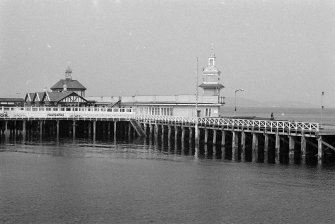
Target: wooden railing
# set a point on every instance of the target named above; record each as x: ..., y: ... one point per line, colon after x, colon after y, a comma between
x: 266, y: 126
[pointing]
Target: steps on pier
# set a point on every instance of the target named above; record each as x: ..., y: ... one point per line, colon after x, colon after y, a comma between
x: 137, y: 126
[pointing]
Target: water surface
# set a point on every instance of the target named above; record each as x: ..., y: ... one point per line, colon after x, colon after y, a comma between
x: 138, y: 182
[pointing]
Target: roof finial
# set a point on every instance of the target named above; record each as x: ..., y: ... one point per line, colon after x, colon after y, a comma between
x: 68, y: 71
x: 212, y: 51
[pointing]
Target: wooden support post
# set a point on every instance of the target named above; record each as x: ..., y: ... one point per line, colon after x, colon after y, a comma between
x: 109, y: 129
x: 254, y: 147
x: 15, y: 130
x: 291, y: 146
x: 115, y: 130
x: 266, y: 148
x: 303, y: 148
x: 24, y: 128
x: 223, y: 144
x: 103, y: 129
x: 320, y: 150
x: 163, y: 133
x: 190, y: 137
x: 243, y: 146
x: 129, y: 130
x: 182, y: 134
x: 206, y: 135
x: 6, y: 132
x: 41, y: 129
x: 214, y: 142
x: 196, y: 134
x: 89, y: 129
x: 235, y: 146
x: 145, y: 128
x: 57, y: 130
x: 156, y: 133
x: 74, y: 129
x: 169, y: 133
x: 214, y: 137
x: 150, y: 129
x: 175, y: 133
x: 182, y: 140
x: 94, y: 130
x: 277, y: 148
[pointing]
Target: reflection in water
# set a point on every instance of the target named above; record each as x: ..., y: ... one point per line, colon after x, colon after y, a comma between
x: 143, y: 180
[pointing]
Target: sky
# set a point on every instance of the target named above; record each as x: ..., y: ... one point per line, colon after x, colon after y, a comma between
x: 276, y: 50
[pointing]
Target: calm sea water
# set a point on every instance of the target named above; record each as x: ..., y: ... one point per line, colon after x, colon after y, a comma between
x: 138, y: 181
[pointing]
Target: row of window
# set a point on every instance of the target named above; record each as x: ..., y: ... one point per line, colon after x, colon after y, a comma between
x: 166, y: 111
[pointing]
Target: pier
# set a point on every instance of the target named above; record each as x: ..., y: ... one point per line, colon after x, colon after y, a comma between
x: 251, y: 140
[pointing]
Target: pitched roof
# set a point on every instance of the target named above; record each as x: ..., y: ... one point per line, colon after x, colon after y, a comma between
x: 70, y: 85
x: 29, y: 97
x: 38, y: 96
x: 58, y: 96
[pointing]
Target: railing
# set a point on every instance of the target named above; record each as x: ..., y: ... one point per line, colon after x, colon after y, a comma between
x: 266, y: 126
x: 78, y: 113
x: 64, y: 113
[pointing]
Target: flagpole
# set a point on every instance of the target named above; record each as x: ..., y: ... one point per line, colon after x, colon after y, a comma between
x: 196, y: 131
x: 322, y: 107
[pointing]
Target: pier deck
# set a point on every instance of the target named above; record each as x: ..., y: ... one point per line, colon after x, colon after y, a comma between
x: 295, y: 137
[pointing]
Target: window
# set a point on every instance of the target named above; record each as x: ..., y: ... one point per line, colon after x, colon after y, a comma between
x: 208, y: 112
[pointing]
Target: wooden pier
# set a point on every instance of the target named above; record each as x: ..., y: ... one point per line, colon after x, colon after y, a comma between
x: 268, y: 141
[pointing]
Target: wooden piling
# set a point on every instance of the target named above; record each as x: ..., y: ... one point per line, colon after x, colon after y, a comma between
x: 277, y: 148
x: 303, y: 148
x: 223, y: 144
x: 235, y: 146
x: 291, y: 146
x: 266, y: 148
x: 24, y: 127
x: 206, y: 135
x: 115, y: 131
x: 57, y: 129
x: 320, y: 150
x: 94, y: 130
x: 74, y: 129
x: 254, y: 147
x: 243, y: 146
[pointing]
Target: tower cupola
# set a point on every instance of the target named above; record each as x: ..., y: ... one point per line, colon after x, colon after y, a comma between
x: 211, y: 77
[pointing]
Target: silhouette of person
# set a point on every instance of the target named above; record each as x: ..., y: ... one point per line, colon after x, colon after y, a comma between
x: 272, y: 117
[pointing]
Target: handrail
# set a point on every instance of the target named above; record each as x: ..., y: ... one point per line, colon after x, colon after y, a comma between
x: 242, y: 124
x: 285, y: 127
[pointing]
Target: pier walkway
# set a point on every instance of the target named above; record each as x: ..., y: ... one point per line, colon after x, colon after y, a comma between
x: 235, y: 135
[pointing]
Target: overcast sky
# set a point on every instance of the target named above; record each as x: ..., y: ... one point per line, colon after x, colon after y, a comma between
x: 275, y: 50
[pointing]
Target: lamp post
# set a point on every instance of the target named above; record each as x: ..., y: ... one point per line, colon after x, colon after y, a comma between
x: 235, y: 107
x: 322, y: 107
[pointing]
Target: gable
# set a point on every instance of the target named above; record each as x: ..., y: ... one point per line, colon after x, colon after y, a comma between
x: 73, y: 99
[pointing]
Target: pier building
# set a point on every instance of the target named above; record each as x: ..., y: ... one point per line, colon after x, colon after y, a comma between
x: 11, y: 102
x: 69, y: 84
x: 208, y: 102
x: 66, y: 92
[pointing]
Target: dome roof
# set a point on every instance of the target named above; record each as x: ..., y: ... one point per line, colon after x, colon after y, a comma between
x: 211, y: 69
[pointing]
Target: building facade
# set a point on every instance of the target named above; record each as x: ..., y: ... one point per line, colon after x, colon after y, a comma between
x: 69, y: 84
